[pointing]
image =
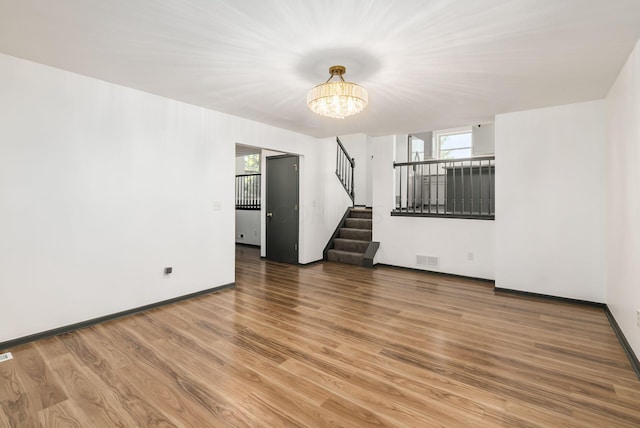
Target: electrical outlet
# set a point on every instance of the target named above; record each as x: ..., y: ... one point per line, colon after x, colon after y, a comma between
x: 470, y: 256
x: 5, y: 357
x: 638, y: 317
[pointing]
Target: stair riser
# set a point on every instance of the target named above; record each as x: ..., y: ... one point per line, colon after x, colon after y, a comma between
x: 352, y: 259
x: 359, y: 234
x: 360, y: 214
x: 355, y: 247
x: 358, y: 223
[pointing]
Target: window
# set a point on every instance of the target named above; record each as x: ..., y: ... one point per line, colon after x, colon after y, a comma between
x: 420, y: 146
x: 447, y: 144
x: 252, y: 163
x: 416, y: 149
x: 454, y: 145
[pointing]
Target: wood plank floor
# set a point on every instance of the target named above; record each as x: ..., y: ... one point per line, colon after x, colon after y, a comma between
x: 330, y: 345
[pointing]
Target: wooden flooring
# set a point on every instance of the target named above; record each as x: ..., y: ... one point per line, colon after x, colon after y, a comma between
x: 330, y: 345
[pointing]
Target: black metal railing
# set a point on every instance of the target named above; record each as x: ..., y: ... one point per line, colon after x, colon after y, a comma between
x: 248, y: 192
x: 345, y: 165
x: 459, y: 188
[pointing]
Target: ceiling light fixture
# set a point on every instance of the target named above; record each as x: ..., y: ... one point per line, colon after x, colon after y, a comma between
x: 337, y: 99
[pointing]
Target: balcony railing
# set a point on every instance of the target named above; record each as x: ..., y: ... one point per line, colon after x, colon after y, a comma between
x: 248, y: 192
x: 457, y: 188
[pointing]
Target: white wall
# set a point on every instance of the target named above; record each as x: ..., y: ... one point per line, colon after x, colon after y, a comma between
x: 239, y: 165
x: 402, y: 238
x: 248, y: 227
x: 402, y: 147
x: 369, y: 175
x: 550, y: 195
x: 102, y: 186
x: 623, y: 199
x: 483, y: 139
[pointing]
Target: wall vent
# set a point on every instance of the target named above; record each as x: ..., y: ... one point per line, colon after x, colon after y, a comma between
x: 430, y: 261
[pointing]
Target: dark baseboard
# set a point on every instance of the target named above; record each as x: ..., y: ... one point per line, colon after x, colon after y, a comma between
x: 247, y: 245
x: 77, y: 326
x: 633, y: 359
x: 315, y: 262
x: 263, y: 258
x: 450, y: 275
x: 548, y: 297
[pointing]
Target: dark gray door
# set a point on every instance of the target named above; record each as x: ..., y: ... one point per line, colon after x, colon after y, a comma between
x: 282, y: 208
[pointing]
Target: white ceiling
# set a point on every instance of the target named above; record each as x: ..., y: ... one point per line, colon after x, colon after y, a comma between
x: 427, y: 64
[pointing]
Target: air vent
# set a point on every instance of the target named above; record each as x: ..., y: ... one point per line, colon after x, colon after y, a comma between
x: 430, y: 261
x: 5, y: 357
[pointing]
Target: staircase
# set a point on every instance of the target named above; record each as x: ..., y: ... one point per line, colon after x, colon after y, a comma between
x: 352, y: 241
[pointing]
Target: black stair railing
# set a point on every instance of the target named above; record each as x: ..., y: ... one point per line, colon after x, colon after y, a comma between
x: 248, y: 192
x: 345, y: 165
x: 459, y: 188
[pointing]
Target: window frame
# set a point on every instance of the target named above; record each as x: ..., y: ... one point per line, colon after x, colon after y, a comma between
x: 437, y: 135
x: 258, y: 160
x: 410, y: 148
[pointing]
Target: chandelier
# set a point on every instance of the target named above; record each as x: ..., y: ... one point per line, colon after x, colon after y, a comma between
x: 337, y: 99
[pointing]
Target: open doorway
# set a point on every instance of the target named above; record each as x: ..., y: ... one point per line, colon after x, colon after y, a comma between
x: 267, y: 215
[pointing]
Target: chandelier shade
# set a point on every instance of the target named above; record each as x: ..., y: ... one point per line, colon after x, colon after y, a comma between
x: 337, y: 99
